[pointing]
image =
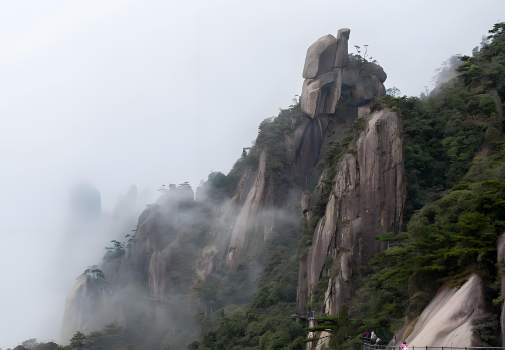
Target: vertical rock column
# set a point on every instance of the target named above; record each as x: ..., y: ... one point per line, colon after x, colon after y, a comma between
x: 323, y: 73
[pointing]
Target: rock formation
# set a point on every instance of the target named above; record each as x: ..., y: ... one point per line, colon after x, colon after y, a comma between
x: 329, y: 75
x: 247, y: 215
x: 180, y: 240
x: 338, y: 88
x: 367, y: 193
x: 366, y: 199
x: 448, y: 317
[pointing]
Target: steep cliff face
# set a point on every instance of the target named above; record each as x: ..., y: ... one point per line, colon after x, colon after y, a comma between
x: 183, y: 244
x: 448, y: 318
x: 248, y: 215
x: 365, y: 200
x: 177, y: 242
x: 84, y: 308
x: 366, y: 194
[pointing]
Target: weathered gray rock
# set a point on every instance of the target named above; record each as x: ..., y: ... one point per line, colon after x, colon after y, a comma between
x: 305, y: 201
x: 326, y: 85
x: 350, y: 77
x: 302, y: 292
x: 366, y: 199
x: 323, y: 73
x: 267, y: 211
x: 448, y: 317
x: 308, y: 146
x: 310, y: 96
x: 376, y: 70
x: 247, y: 217
x: 342, y: 54
x: 320, y: 57
x: 378, y: 89
x: 364, y: 89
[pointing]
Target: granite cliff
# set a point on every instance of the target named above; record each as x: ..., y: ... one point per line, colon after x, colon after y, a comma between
x: 324, y: 188
x: 364, y: 197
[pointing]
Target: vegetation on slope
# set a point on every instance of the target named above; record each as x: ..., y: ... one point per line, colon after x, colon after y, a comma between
x: 450, y: 237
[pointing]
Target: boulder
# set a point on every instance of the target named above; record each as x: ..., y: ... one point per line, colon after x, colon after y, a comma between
x: 350, y: 77
x: 364, y: 89
x: 378, y: 88
x: 310, y: 96
x: 342, y: 53
x: 320, y: 57
x: 323, y: 73
x: 376, y: 70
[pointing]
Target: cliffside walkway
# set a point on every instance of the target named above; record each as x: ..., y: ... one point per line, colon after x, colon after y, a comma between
x: 368, y: 346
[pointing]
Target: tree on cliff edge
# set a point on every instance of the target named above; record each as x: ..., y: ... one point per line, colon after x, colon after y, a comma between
x: 78, y: 340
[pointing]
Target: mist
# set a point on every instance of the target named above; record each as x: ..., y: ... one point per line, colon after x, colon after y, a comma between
x: 115, y: 93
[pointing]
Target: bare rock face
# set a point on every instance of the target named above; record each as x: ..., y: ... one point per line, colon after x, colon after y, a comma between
x: 448, y: 317
x: 376, y: 70
x: 320, y: 57
x: 84, y: 309
x: 247, y: 216
x: 330, y: 76
x: 341, y: 56
x: 305, y: 201
x: 366, y: 199
x: 333, y: 97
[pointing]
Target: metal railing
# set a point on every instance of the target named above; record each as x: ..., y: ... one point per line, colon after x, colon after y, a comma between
x: 367, y: 345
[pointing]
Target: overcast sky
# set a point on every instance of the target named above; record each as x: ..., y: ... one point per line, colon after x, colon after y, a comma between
x: 122, y: 92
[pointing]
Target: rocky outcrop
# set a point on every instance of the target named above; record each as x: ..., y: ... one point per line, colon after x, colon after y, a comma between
x: 448, y: 317
x: 338, y: 89
x: 320, y: 57
x: 366, y: 200
x: 329, y: 75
